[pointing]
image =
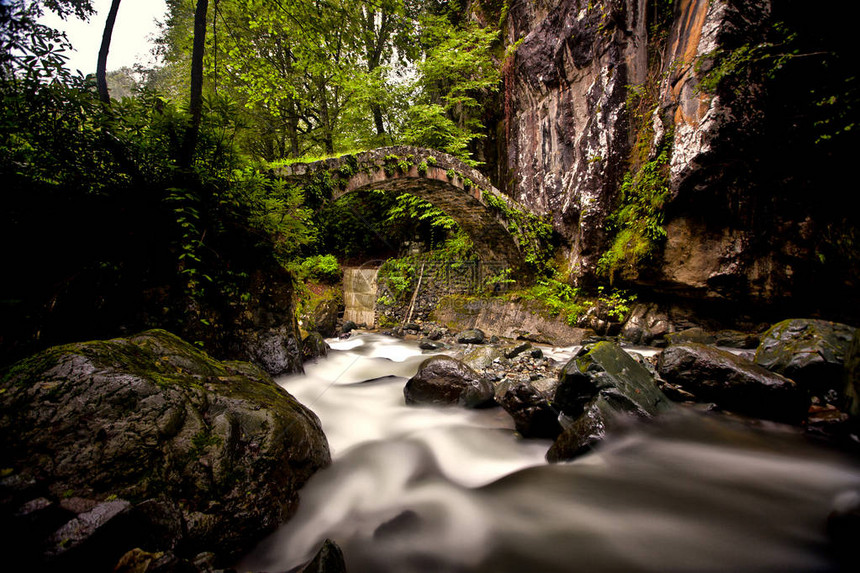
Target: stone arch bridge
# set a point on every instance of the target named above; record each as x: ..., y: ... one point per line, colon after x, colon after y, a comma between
x: 441, y: 179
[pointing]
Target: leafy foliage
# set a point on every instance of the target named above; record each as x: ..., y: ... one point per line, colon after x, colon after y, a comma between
x: 638, y: 220
x: 534, y: 234
x: 30, y: 50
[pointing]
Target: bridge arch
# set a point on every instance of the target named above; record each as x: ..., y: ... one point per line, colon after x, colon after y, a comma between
x: 441, y: 179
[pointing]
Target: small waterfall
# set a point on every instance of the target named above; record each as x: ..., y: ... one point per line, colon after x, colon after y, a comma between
x: 359, y: 295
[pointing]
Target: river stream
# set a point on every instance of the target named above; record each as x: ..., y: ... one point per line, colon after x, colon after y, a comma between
x: 453, y: 490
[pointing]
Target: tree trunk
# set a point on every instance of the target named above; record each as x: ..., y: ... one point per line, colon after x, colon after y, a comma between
x: 325, y: 121
x: 377, y: 118
x: 195, y: 101
x: 101, y: 66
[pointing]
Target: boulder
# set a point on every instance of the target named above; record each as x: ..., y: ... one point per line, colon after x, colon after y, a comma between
x: 532, y: 413
x: 471, y: 336
x: 810, y: 352
x: 733, y: 383
x: 314, y: 346
x: 148, y: 442
x: 606, y: 370
x: 446, y: 381
x: 348, y: 326
x: 599, y: 383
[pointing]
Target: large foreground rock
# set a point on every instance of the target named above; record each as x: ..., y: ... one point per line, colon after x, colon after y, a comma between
x: 147, y: 443
x: 446, y: 381
x: 595, y: 386
x: 733, y: 383
x: 810, y: 352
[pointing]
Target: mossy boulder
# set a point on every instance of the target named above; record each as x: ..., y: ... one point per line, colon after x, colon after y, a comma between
x: 810, y: 352
x: 206, y: 455
x: 732, y: 382
x: 606, y: 370
x: 445, y: 381
x: 599, y: 383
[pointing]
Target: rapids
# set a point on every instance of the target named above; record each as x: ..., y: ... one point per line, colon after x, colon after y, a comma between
x: 452, y: 490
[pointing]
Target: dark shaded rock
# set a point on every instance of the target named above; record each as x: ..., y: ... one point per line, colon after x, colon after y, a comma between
x: 580, y: 436
x: 348, y: 326
x: 329, y: 559
x: 472, y: 336
x: 810, y: 352
x: 276, y: 350
x: 595, y: 386
x: 852, y: 375
x: 430, y: 345
x: 736, y: 339
x: 715, y: 375
x: 314, y: 346
x: 517, y: 350
x: 446, y: 381
x: 532, y: 413
x: 536, y: 353
x: 695, y: 334
x: 413, y: 326
x: 177, y: 449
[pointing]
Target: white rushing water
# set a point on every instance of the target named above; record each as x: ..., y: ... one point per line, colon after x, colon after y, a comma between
x: 431, y: 489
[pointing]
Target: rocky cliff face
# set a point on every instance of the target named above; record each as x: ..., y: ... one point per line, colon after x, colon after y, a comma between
x: 566, y: 125
x: 596, y: 89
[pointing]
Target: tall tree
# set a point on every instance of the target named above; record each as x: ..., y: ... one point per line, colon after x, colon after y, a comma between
x: 101, y: 67
x: 195, y: 100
